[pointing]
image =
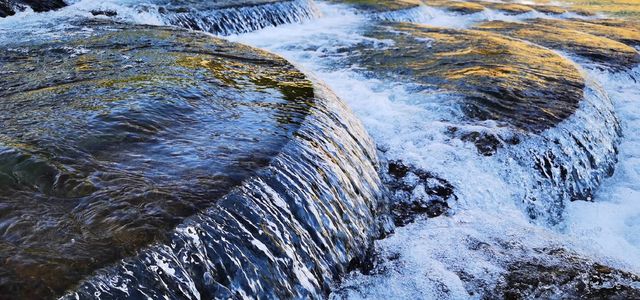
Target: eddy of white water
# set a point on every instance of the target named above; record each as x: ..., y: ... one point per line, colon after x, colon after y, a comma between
x: 409, y: 126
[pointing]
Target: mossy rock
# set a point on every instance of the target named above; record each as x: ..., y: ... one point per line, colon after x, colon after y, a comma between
x: 551, y: 34
x: 112, y: 136
x: 456, y: 6
x: 380, y: 5
x: 512, y: 82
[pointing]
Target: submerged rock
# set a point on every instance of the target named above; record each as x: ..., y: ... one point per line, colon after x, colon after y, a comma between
x: 627, y: 32
x: 416, y: 192
x: 508, y: 8
x: 500, y: 79
x: 114, y: 134
x: 613, y: 54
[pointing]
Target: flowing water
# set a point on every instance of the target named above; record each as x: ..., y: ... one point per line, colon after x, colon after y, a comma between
x: 308, y: 214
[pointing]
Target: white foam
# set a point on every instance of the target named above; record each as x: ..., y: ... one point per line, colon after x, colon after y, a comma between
x: 612, y: 223
x: 409, y: 126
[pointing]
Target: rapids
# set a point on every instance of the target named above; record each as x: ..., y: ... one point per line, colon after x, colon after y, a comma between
x: 501, y: 138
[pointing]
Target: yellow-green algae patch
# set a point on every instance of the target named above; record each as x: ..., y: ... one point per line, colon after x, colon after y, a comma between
x: 502, y: 79
x: 600, y: 49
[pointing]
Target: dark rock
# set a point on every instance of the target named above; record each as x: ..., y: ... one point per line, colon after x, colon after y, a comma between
x: 415, y: 192
x: 6, y: 9
x: 487, y: 144
x: 565, y: 276
x: 108, y: 13
x: 43, y: 5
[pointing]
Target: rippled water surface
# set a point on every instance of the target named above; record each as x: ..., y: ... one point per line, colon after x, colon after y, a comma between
x: 140, y: 161
x: 117, y: 134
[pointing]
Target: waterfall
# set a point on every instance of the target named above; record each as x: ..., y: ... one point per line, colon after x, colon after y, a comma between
x: 288, y: 232
x: 240, y: 18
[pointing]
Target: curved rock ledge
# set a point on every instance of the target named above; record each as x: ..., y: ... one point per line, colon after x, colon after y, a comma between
x: 120, y: 133
x: 499, y: 79
x: 627, y: 32
x: 536, y: 101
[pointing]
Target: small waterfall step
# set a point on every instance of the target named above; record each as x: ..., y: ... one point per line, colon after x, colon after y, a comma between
x: 140, y: 161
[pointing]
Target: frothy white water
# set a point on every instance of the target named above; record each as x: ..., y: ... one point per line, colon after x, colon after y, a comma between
x: 429, y: 256
x: 612, y: 223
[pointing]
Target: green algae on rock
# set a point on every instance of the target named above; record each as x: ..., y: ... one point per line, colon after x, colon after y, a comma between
x: 608, y: 52
x: 112, y: 136
x: 498, y: 78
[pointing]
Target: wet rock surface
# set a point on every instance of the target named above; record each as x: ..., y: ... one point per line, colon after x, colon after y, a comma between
x: 508, y: 8
x: 497, y: 268
x: 560, y: 274
x: 456, y: 6
x: 9, y: 7
x: 113, y: 136
x: 6, y: 9
x: 416, y: 193
x: 500, y: 79
x: 623, y: 31
x: 616, y: 55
